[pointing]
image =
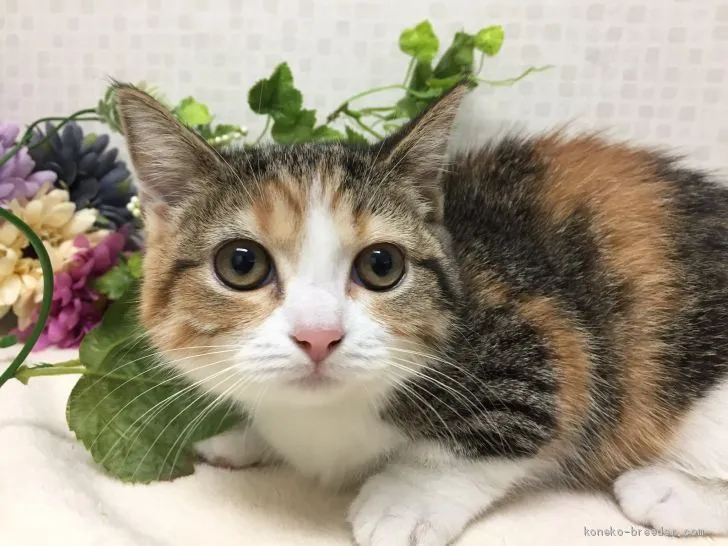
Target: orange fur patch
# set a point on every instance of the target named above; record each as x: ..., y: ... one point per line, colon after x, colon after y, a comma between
x: 631, y: 222
x: 492, y: 291
x: 280, y: 212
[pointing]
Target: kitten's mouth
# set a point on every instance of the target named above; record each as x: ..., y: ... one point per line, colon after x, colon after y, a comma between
x: 314, y: 381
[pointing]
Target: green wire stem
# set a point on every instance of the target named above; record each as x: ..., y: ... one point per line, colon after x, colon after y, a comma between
x: 29, y: 131
x: 45, y: 307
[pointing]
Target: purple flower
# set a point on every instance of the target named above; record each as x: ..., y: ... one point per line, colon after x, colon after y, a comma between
x: 88, y: 168
x: 8, y: 134
x: 17, y: 179
x: 77, y: 308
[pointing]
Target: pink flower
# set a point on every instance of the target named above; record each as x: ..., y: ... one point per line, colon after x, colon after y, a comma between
x: 77, y: 308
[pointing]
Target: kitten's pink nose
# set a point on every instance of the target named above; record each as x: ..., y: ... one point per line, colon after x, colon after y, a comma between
x: 318, y: 344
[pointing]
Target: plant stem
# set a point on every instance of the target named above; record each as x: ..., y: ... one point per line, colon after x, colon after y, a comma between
x: 371, y: 109
x: 72, y: 367
x: 45, y: 307
x: 480, y: 65
x: 55, y: 130
x: 511, y: 81
x: 29, y: 132
x: 24, y: 373
x: 410, y: 67
x: 379, y: 117
x: 355, y: 116
x: 265, y: 130
x: 375, y: 90
x: 345, y: 105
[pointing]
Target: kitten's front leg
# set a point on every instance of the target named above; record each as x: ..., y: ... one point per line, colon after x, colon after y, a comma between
x: 425, y: 502
x: 238, y: 447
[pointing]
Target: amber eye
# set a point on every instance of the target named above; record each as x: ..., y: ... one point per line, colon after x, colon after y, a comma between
x: 379, y: 267
x: 243, y: 265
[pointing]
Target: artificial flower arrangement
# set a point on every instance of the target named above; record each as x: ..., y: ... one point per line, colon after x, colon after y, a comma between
x: 71, y: 249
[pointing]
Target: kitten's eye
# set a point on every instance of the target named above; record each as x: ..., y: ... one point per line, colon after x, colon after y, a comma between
x: 243, y: 265
x: 379, y: 267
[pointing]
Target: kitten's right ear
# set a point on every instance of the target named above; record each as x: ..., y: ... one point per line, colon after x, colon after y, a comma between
x: 170, y: 160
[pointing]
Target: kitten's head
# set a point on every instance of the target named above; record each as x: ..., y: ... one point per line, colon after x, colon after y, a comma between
x: 295, y: 274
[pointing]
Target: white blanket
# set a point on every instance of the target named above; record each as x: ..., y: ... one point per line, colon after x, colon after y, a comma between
x: 51, y: 492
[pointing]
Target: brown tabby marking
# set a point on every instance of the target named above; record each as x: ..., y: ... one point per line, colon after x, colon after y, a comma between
x: 631, y: 223
x: 571, y: 354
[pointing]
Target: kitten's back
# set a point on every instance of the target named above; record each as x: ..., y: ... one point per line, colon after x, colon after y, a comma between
x: 617, y: 256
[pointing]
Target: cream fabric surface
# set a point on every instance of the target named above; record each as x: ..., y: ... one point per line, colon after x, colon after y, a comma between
x: 51, y: 492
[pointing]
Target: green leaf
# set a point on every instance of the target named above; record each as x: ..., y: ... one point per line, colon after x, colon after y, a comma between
x: 106, y: 110
x: 205, y: 131
x: 445, y: 83
x: 427, y: 95
x: 276, y: 96
x: 290, y: 130
x: 409, y: 107
x: 421, y: 73
x: 135, y: 263
x: 419, y: 42
x: 220, y: 135
x: 458, y: 58
x: 8, y: 341
x: 190, y: 112
x: 225, y: 129
x: 114, y: 282
x: 390, y: 128
x: 118, y: 325
x: 324, y: 133
x: 489, y: 40
x: 354, y: 137
x: 138, y: 420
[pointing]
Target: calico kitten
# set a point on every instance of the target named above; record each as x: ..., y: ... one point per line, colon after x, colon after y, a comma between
x: 444, y: 330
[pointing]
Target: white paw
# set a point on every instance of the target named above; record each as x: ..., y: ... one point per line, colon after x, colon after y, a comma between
x: 671, y: 501
x: 235, y: 448
x: 392, y: 510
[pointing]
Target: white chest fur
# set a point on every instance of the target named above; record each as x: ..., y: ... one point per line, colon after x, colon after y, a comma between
x: 334, y: 444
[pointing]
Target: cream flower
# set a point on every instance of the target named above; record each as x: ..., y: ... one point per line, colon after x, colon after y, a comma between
x: 57, y: 222
x: 21, y: 279
x: 51, y: 215
x: 21, y: 284
x: 9, y: 282
x: 31, y: 291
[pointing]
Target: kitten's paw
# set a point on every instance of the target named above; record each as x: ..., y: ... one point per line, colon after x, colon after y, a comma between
x: 235, y: 448
x: 393, y: 511
x: 672, y: 502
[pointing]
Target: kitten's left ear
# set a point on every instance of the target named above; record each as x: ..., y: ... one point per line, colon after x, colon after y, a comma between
x: 418, y: 151
x: 171, y: 162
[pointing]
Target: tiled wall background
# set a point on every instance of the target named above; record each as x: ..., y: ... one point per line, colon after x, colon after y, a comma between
x: 651, y: 70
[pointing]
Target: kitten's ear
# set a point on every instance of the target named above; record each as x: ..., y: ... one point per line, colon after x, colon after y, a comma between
x: 418, y: 151
x: 171, y: 161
